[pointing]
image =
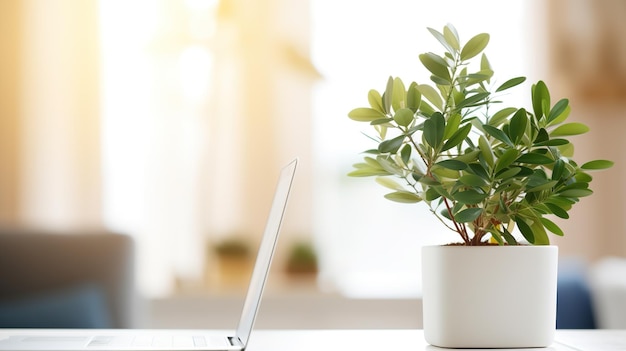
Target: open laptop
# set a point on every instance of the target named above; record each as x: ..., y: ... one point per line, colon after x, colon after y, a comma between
x: 138, y: 339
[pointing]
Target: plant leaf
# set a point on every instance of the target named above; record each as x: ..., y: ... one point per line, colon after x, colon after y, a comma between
x: 451, y: 37
x: 474, y: 46
x: 468, y: 214
x: 484, y: 63
x: 457, y: 138
x: 365, y: 114
x: 501, y: 116
x: 562, y: 117
x: 403, y: 197
x: 452, y: 125
x: 535, y: 159
x: 540, y: 234
x: 436, y: 65
x: 506, y: 159
x: 388, y: 95
x: 576, y: 185
x: 367, y: 172
x: 509, y: 173
x: 511, y: 83
x: 576, y: 192
x: 405, y: 154
x: 381, y: 121
x: 517, y: 126
x: 498, y: 134
x: 434, y: 128
x: 431, y: 95
x: 558, y: 109
x: 472, y: 100
x: 558, y: 169
x: 392, y: 145
x: 398, y: 98
x: 567, y: 150
x: 452, y: 164
x: 472, y: 180
x: 540, y: 97
x: 543, y: 186
x: 551, y: 226
x: 568, y: 129
x: 389, y: 183
x: 557, y: 210
x: 404, y: 117
x: 429, y: 181
x: 413, y: 97
x: 597, y: 164
x: 431, y: 194
x: 469, y: 197
x: 369, y: 168
x: 583, y: 177
x: 525, y: 229
x: 510, y: 239
x: 562, y: 202
x: 469, y: 156
x: 478, y: 170
x: 485, y: 150
x: 375, y: 101
x: 441, y: 38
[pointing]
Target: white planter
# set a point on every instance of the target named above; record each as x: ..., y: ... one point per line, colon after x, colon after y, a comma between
x: 489, y: 296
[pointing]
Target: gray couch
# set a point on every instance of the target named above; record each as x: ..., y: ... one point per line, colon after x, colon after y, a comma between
x: 70, y: 280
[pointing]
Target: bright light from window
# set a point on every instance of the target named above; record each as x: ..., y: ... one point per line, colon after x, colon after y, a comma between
x: 195, y: 65
x: 155, y: 90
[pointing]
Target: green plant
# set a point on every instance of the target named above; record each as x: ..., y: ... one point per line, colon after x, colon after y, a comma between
x: 302, y: 258
x: 232, y: 247
x: 481, y: 169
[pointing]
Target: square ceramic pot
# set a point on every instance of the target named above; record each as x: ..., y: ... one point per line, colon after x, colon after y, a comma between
x: 489, y: 296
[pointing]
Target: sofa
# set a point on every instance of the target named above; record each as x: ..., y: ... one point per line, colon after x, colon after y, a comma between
x: 78, y: 279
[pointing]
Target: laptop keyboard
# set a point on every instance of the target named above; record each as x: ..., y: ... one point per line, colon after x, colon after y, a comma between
x: 199, y: 341
x: 156, y: 341
x: 168, y: 340
x: 100, y: 341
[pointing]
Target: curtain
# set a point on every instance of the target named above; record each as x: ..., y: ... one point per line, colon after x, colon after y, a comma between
x: 201, y: 109
x: 167, y: 120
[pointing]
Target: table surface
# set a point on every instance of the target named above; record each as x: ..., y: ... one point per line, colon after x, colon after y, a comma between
x: 328, y: 340
x: 380, y: 340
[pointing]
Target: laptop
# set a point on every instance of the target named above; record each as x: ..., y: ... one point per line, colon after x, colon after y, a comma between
x: 165, y: 339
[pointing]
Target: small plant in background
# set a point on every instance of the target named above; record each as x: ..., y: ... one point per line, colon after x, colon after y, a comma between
x: 302, y: 259
x: 232, y: 247
x: 233, y: 261
x: 482, y: 169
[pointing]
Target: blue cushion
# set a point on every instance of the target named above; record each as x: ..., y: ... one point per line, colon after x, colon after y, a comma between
x: 77, y: 307
x: 574, y: 305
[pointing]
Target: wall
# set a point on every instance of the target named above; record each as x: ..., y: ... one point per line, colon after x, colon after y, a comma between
x: 587, y: 64
x: 10, y: 67
x: 49, y: 151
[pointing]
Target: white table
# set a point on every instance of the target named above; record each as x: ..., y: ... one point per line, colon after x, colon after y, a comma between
x: 387, y: 340
x: 374, y: 340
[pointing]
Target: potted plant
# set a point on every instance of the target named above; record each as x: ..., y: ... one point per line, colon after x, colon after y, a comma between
x: 234, y: 261
x: 302, y: 260
x: 484, y: 169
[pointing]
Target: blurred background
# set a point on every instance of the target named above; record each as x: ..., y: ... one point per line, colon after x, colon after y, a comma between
x: 167, y: 121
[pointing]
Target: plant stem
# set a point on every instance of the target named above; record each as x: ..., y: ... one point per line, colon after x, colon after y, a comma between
x: 459, y: 227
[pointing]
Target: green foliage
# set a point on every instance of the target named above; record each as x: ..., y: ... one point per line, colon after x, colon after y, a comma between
x: 302, y: 259
x: 232, y: 247
x: 482, y: 170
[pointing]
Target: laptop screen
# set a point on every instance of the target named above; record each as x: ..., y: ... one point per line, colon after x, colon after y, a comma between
x: 266, y: 251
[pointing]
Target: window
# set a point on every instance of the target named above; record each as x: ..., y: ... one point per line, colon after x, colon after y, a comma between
x: 157, y: 65
x: 173, y: 82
